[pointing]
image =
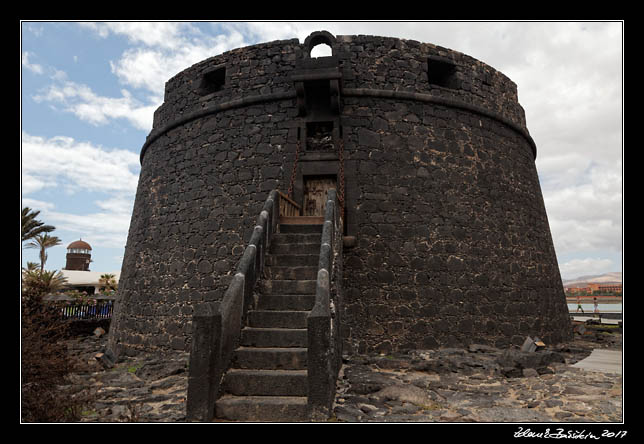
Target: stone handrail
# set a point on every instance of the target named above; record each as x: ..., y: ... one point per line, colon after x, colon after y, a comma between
x: 323, y: 323
x: 216, y: 327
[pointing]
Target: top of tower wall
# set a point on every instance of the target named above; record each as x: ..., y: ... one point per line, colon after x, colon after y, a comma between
x: 366, y: 62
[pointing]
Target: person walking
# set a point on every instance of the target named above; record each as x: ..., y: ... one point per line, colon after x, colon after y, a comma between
x: 596, y: 305
x: 579, y: 307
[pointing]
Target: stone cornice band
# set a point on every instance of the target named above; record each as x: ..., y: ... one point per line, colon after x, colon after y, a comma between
x: 348, y: 92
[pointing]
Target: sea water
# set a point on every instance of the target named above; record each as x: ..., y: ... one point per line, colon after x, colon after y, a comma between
x: 603, y: 308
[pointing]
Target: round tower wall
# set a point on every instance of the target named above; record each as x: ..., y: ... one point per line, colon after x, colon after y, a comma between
x: 454, y: 245
x: 452, y: 239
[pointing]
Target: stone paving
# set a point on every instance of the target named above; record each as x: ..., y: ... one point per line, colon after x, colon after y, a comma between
x: 475, y: 384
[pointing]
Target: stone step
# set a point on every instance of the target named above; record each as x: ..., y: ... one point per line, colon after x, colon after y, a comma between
x: 300, y: 228
x: 252, y: 382
x: 270, y: 358
x: 283, y: 286
x: 295, y: 273
x: 286, y: 302
x: 294, y: 238
x: 262, y: 408
x: 274, y: 337
x: 295, y: 248
x: 301, y: 260
x: 277, y: 318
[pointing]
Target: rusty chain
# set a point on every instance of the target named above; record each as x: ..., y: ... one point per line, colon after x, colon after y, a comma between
x: 341, y: 190
x: 294, y: 173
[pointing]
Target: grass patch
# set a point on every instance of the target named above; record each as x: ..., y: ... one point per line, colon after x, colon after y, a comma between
x: 430, y: 407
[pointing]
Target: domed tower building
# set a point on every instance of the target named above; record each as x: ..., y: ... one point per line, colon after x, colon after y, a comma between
x: 446, y: 237
x: 79, y: 256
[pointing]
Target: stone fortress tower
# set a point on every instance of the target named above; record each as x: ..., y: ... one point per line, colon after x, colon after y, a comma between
x: 446, y: 238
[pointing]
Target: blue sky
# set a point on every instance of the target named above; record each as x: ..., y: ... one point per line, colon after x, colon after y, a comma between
x: 89, y: 91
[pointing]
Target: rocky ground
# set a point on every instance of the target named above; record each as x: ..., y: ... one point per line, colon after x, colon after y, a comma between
x: 475, y: 384
x: 148, y: 388
x: 479, y: 384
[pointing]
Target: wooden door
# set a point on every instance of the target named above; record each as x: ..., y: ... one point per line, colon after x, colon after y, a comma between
x: 315, y: 194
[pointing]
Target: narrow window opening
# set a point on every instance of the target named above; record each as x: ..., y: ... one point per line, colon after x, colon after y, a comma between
x: 317, y: 94
x: 212, y: 81
x: 441, y: 72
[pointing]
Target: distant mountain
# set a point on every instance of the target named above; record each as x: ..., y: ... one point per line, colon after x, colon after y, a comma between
x: 615, y: 276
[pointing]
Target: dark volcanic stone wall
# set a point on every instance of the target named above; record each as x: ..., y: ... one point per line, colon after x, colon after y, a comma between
x: 196, y: 205
x: 453, y: 243
x: 401, y: 65
x: 201, y: 187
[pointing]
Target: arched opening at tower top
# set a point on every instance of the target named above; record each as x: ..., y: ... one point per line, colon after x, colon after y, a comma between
x: 321, y: 50
x: 319, y: 44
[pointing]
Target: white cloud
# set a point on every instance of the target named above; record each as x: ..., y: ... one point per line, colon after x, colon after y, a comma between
x: 152, y: 68
x: 80, y: 167
x: 80, y: 100
x: 35, y: 30
x: 562, y: 170
x: 105, y: 228
x: 575, y: 236
x: 161, y: 50
x: 33, y: 67
x: 76, y: 166
x: 584, y: 204
x: 270, y: 31
x: 160, y: 34
x: 569, y: 77
x: 30, y: 184
x: 35, y: 204
x: 583, y: 267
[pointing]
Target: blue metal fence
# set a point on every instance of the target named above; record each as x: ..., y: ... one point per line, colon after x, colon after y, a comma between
x: 92, y: 310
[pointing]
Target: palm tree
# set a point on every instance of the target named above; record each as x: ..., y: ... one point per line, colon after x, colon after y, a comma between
x: 32, y: 227
x: 43, y: 241
x: 108, y: 282
x: 44, y: 282
x: 31, y: 266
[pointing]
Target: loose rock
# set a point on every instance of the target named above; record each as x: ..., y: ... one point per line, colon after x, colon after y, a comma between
x: 469, y: 386
x: 147, y: 388
x: 481, y: 384
x: 405, y: 393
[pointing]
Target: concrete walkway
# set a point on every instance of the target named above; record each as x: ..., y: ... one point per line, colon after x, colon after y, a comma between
x: 584, y: 318
x: 600, y: 360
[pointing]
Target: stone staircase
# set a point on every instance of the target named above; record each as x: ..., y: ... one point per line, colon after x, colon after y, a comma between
x: 267, y: 379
